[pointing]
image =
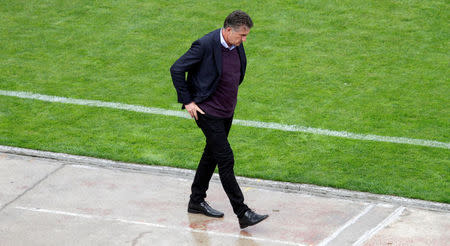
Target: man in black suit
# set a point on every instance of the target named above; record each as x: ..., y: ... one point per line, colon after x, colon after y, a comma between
x: 216, y: 66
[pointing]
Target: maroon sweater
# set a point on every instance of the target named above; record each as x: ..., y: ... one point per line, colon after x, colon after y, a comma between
x: 223, y: 101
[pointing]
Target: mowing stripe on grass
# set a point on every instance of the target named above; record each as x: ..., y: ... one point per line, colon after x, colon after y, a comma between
x: 257, y: 124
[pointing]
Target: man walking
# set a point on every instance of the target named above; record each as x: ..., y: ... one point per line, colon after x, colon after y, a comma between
x: 216, y: 66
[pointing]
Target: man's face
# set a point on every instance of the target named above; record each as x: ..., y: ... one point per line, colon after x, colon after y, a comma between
x: 236, y: 36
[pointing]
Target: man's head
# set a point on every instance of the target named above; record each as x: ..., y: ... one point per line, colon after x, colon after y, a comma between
x: 236, y: 27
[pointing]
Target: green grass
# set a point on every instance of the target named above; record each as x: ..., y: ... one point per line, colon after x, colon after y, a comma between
x: 370, y: 67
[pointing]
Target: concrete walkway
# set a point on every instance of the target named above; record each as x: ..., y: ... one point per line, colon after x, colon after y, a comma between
x: 90, y: 202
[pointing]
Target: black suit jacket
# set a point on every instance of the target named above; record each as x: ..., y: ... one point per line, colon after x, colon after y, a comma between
x: 203, y: 63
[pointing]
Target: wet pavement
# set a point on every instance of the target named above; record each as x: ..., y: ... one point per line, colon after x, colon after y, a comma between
x: 54, y: 202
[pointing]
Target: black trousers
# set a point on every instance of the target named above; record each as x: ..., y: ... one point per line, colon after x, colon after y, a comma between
x: 217, y: 152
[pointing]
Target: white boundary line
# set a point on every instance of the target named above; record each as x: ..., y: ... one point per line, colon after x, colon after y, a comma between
x: 257, y: 124
x: 391, y: 218
x: 347, y: 224
x: 177, y: 228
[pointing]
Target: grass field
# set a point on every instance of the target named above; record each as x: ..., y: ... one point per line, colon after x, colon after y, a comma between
x: 368, y: 67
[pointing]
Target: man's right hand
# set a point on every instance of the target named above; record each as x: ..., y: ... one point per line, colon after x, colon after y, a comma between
x: 192, y: 108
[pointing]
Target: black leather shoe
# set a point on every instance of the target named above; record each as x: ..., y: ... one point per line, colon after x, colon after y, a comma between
x: 251, y: 218
x: 204, y: 208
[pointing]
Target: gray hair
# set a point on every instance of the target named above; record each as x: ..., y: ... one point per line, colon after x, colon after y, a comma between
x: 237, y: 19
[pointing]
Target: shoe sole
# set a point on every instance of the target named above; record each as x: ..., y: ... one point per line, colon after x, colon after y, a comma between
x: 194, y: 211
x: 247, y: 225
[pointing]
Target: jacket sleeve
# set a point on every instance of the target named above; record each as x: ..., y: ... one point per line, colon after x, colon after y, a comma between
x: 178, y: 72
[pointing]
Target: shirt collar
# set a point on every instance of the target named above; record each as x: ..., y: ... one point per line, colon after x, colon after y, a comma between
x: 224, y: 44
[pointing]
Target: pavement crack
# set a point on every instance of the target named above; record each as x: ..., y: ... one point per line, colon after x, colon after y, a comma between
x: 32, y: 187
x: 135, y: 240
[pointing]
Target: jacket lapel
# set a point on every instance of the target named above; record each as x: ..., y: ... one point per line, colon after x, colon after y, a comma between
x: 218, y: 53
x: 241, y: 55
x: 242, y: 59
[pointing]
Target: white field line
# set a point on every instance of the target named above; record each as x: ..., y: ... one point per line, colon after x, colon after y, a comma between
x: 176, y: 228
x: 347, y: 224
x: 257, y: 124
x: 391, y: 218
